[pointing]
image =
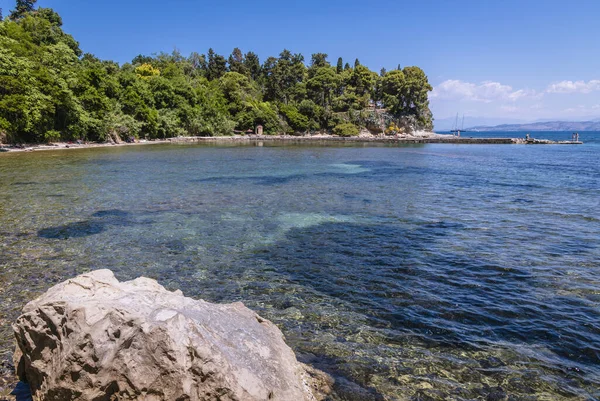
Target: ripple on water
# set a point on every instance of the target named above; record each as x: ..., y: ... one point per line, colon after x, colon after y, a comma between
x: 349, y: 168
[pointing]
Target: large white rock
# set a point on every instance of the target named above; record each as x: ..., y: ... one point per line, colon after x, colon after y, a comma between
x: 95, y: 338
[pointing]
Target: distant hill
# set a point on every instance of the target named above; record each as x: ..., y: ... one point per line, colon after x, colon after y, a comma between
x: 543, y: 126
x: 446, y: 124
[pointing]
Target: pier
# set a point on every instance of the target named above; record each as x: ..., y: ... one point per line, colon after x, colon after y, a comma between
x: 376, y: 139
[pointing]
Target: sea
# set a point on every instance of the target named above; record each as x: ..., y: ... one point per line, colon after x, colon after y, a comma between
x: 406, y: 272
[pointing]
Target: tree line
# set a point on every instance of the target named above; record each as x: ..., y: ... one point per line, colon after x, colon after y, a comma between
x: 50, y: 90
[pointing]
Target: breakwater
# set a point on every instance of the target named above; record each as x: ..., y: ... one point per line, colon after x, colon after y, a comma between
x: 399, y: 140
x: 313, y: 139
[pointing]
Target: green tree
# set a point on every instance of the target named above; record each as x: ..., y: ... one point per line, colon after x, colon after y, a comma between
x: 322, y: 85
x: 210, y: 115
x: 252, y: 64
x: 284, y: 77
x: 340, y: 65
x: 296, y: 120
x: 392, y: 89
x: 236, y: 62
x: 217, y: 65
x: 319, y: 60
x: 24, y: 108
x: 363, y: 80
x: 405, y: 95
x: 22, y: 8
x: 141, y: 59
x: 50, y: 90
x: 198, y: 64
x: 239, y: 91
x: 50, y: 15
x: 259, y: 113
x: 415, y: 97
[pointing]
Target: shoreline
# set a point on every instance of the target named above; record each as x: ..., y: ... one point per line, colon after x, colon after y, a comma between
x: 427, y: 138
x: 67, y: 145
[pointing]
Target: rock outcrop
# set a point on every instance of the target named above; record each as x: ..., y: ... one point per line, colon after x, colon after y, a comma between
x: 95, y: 338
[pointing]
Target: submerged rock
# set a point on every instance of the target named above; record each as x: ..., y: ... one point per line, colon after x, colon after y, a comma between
x: 95, y: 338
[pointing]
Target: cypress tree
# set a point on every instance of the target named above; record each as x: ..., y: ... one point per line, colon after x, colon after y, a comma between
x: 340, y: 65
x: 23, y: 7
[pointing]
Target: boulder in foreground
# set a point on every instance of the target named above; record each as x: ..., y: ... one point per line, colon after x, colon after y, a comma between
x: 95, y: 338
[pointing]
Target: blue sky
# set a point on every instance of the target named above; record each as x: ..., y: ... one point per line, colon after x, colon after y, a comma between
x: 517, y: 60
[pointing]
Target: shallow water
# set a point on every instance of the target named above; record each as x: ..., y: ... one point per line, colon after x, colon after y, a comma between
x: 415, y: 272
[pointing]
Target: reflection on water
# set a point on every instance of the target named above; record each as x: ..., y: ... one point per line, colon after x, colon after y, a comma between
x: 420, y: 273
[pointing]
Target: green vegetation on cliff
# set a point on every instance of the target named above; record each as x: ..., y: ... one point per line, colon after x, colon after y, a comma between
x: 50, y: 90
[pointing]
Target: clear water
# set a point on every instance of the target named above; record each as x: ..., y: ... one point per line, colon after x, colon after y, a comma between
x: 423, y: 272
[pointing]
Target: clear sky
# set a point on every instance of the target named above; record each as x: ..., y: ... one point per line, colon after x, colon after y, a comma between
x: 517, y: 59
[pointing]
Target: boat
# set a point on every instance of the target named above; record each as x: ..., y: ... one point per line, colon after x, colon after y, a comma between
x: 455, y: 130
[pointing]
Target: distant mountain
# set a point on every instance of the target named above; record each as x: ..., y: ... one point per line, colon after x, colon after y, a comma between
x: 446, y: 124
x: 543, y: 126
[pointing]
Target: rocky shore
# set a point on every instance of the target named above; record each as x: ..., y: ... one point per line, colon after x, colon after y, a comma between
x: 423, y: 137
x: 364, y: 136
x: 73, y: 145
x: 400, y: 139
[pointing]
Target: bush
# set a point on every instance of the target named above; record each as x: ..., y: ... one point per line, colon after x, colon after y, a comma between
x: 393, y: 128
x: 122, y: 124
x: 52, y: 136
x: 259, y: 113
x: 346, y: 129
x: 296, y: 120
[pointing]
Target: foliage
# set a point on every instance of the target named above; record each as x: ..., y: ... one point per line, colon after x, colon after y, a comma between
x: 393, y: 128
x: 50, y: 90
x: 146, y: 71
x: 296, y: 120
x: 52, y: 136
x: 122, y: 124
x: 22, y: 8
x: 405, y: 95
x: 346, y: 129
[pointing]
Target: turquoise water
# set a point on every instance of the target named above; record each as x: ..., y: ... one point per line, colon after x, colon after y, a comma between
x: 422, y: 272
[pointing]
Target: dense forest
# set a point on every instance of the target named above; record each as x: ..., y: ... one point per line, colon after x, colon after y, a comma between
x: 50, y: 90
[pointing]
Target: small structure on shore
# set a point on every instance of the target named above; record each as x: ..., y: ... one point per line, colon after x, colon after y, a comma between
x: 258, y: 130
x: 240, y: 132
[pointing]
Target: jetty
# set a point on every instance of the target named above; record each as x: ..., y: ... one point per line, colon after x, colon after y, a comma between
x: 374, y: 139
x: 532, y: 141
x: 259, y: 140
